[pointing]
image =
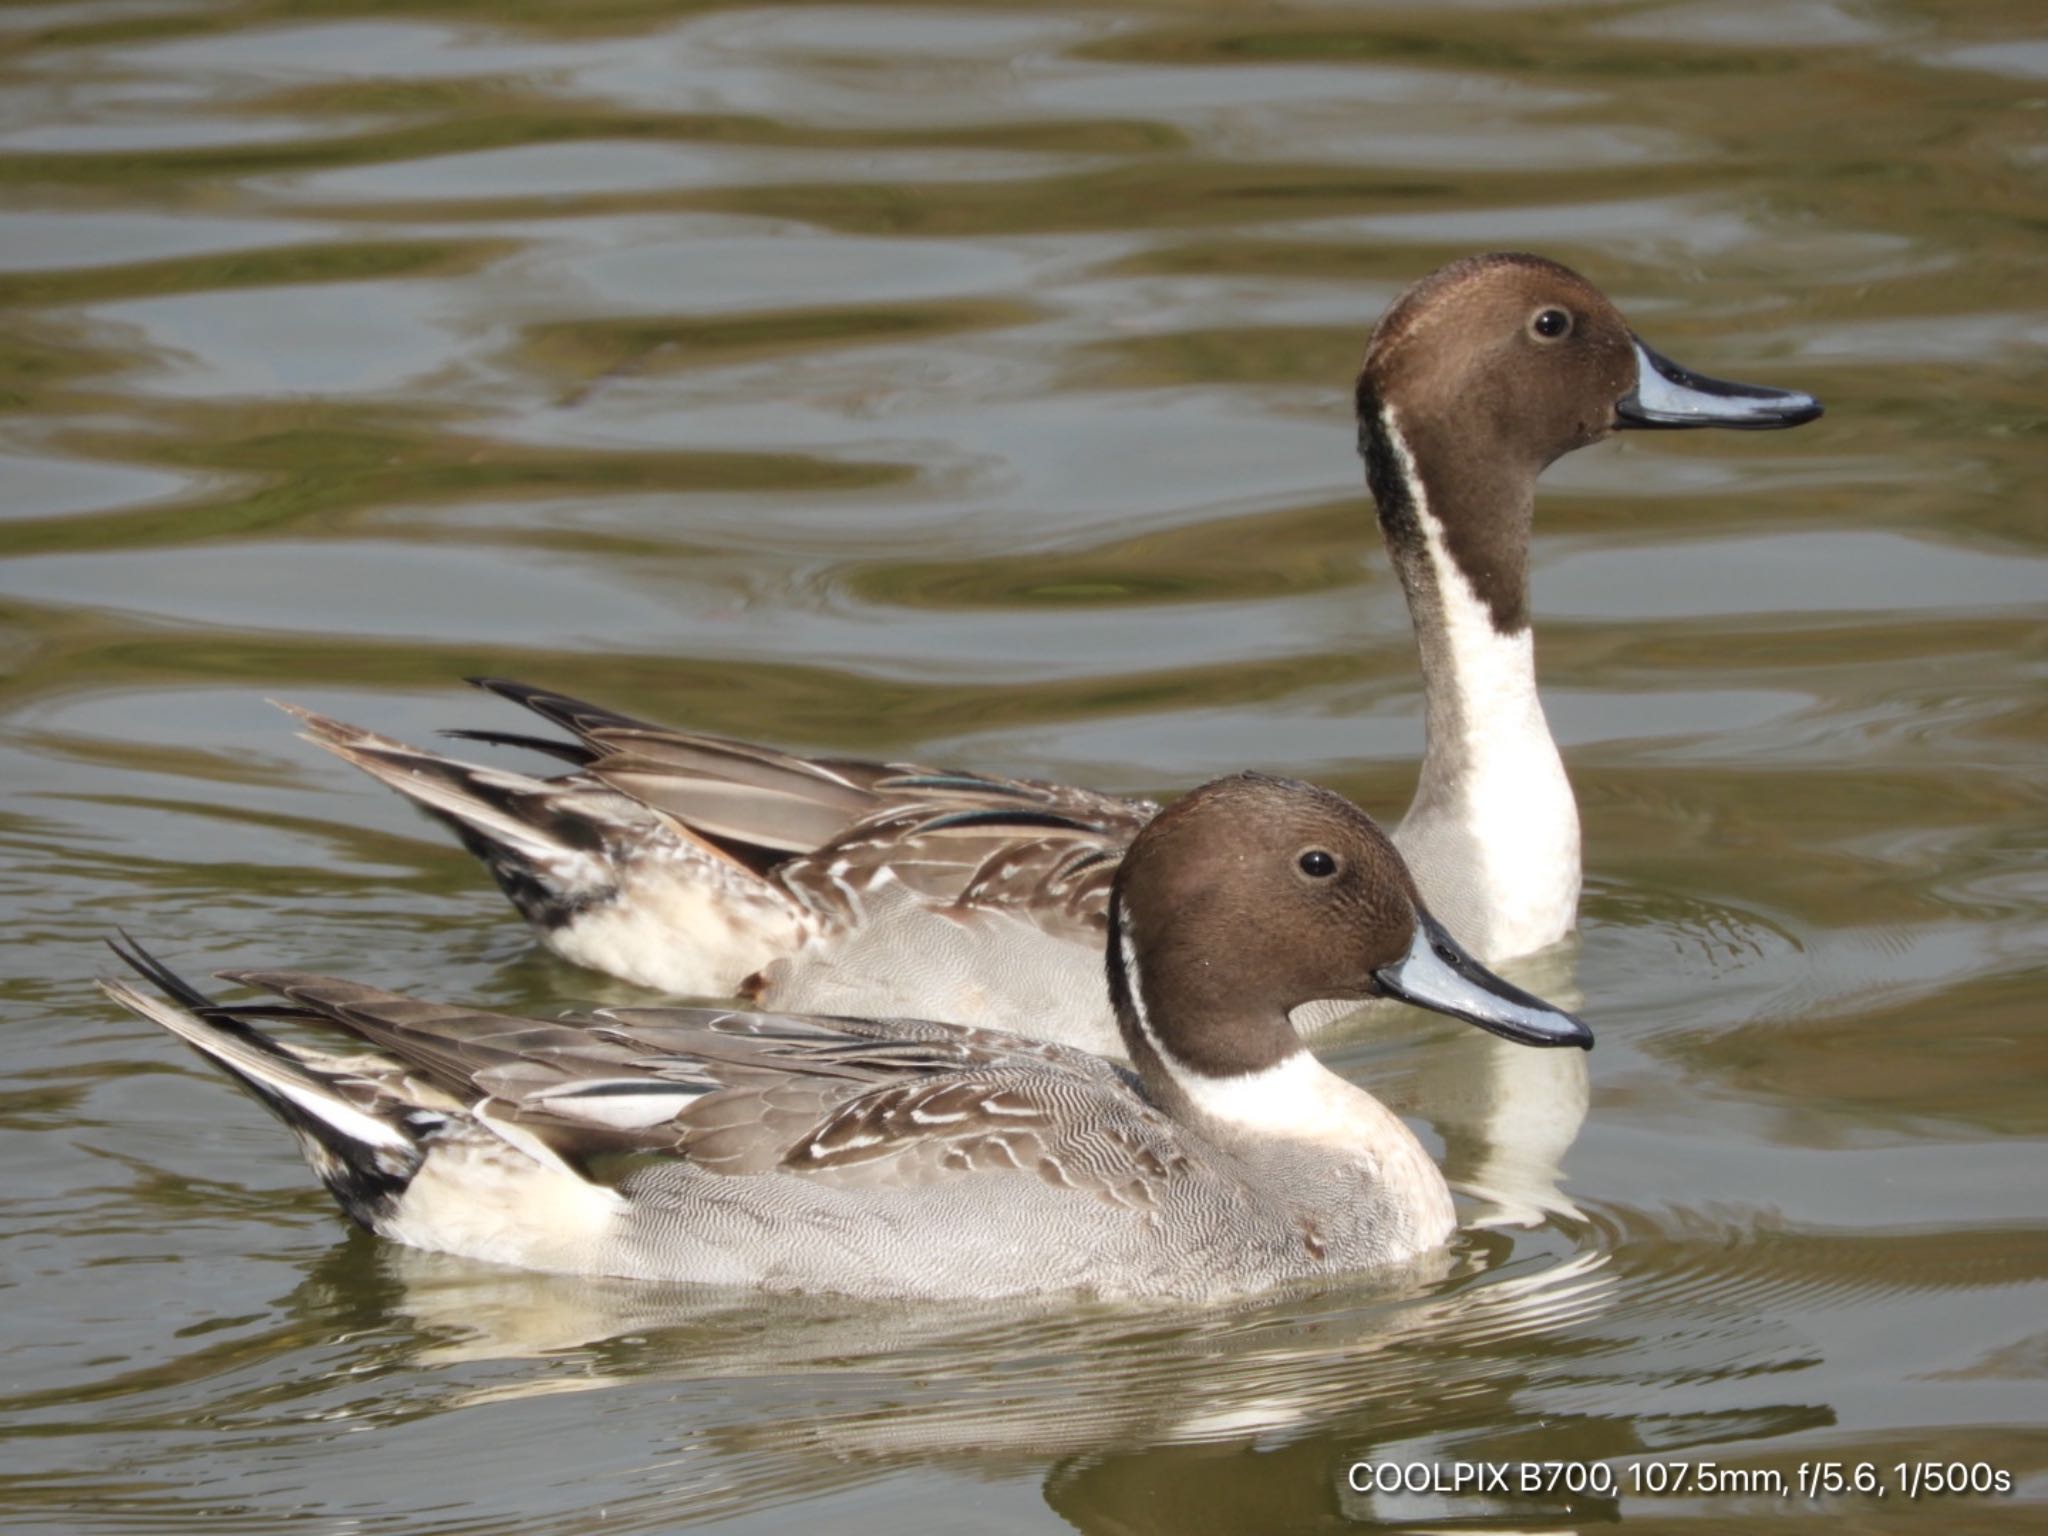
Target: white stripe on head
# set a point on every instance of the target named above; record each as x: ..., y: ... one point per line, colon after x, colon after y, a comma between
x: 1134, y: 980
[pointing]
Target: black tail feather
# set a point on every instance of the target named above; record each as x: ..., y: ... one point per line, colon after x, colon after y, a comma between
x: 573, y: 715
x: 568, y: 751
x: 329, y: 1111
x: 159, y: 975
x: 236, y: 1017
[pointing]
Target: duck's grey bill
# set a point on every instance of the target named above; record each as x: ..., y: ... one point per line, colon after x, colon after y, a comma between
x: 1437, y: 974
x: 1668, y: 395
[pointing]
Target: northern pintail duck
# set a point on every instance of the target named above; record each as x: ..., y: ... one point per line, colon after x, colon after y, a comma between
x: 895, y: 1158
x: 702, y: 866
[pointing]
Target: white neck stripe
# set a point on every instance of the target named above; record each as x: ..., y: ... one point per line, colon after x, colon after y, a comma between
x: 1493, y: 834
x: 1134, y: 982
x: 1296, y: 1096
x: 1481, y: 684
x: 1453, y: 585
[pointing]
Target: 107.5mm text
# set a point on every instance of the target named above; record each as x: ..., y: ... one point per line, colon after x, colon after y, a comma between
x: 1698, y: 1479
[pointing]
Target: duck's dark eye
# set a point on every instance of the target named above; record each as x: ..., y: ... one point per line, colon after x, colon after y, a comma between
x: 1317, y: 864
x: 1550, y: 324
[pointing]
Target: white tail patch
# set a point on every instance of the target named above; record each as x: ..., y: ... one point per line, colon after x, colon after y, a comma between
x: 682, y: 924
x: 507, y: 1200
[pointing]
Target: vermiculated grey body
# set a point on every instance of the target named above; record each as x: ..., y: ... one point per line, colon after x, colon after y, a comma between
x: 995, y: 1167
x: 899, y: 1157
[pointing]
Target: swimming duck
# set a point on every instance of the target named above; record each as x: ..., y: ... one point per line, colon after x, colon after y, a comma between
x: 901, y: 1158
x: 698, y: 865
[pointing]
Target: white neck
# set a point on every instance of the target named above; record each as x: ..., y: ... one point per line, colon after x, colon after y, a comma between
x: 1298, y: 1101
x: 1301, y: 1101
x: 1493, y: 832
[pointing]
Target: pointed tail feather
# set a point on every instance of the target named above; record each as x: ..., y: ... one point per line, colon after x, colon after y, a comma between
x: 573, y: 752
x: 577, y: 716
x: 755, y: 801
x: 365, y: 1145
x: 552, y: 847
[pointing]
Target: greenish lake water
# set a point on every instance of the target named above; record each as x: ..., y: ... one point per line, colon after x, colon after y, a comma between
x: 969, y: 382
